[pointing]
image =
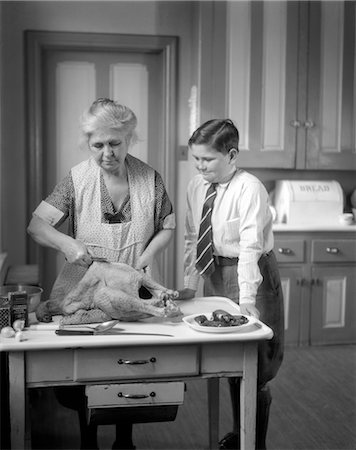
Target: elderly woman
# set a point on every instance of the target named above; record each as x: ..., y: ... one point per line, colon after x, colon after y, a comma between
x: 117, y: 207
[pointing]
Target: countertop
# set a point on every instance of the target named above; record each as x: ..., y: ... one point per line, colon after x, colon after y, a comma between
x: 283, y: 227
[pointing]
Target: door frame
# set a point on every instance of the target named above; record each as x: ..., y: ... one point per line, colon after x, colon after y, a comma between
x: 36, y: 43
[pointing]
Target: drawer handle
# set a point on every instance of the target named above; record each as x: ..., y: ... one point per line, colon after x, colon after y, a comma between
x: 332, y: 250
x: 137, y: 361
x: 152, y: 394
x: 284, y: 251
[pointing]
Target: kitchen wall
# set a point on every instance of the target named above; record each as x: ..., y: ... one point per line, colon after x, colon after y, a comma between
x: 201, y: 41
x: 1, y: 153
x: 174, y: 18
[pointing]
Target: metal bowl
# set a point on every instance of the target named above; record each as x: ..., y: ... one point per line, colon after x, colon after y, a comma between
x: 34, y: 293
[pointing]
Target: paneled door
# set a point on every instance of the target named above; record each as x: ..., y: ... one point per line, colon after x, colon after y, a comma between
x: 71, y: 79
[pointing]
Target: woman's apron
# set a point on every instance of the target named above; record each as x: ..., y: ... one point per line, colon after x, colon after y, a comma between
x: 119, y: 242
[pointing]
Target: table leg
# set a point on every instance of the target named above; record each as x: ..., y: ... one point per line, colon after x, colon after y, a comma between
x: 248, y: 393
x: 17, y: 396
x: 213, y: 408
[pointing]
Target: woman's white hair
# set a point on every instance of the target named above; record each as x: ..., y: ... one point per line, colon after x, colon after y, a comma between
x: 106, y: 113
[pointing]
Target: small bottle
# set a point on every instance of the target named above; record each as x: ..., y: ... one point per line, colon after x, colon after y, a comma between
x: 19, y: 306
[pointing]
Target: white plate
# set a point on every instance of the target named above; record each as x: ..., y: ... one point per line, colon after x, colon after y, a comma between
x: 210, y: 304
x: 190, y: 321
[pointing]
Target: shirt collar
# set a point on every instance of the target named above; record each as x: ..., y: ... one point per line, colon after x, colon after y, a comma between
x: 221, y: 185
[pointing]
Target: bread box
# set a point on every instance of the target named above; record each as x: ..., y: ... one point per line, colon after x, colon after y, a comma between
x: 299, y: 202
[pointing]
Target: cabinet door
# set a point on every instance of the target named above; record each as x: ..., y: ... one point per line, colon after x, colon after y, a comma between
x: 331, y: 117
x: 291, y: 279
x: 262, y: 80
x: 333, y: 308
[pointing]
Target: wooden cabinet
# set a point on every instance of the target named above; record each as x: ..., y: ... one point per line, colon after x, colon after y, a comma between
x: 333, y: 306
x: 291, y: 83
x: 318, y: 272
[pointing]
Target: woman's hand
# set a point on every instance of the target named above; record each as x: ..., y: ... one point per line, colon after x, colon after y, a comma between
x: 143, y: 262
x: 76, y: 252
x: 249, y: 310
x: 158, y: 243
x: 43, y: 233
x: 185, y: 294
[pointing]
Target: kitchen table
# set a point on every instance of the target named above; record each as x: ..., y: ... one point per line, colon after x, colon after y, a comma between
x: 45, y: 359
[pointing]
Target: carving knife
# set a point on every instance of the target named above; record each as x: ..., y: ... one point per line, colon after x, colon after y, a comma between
x: 73, y: 332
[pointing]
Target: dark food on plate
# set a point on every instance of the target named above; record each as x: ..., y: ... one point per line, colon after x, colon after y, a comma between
x: 221, y: 318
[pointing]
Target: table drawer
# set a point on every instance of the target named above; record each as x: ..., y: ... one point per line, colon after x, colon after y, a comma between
x: 49, y: 366
x: 288, y: 251
x: 218, y: 358
x: 134, y: 362
x: 338, y: 250
x: 135, y: 394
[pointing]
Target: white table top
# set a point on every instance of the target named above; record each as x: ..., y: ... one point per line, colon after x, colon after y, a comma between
x: 40, y: 336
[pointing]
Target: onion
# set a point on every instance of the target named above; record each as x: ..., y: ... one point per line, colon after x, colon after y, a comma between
x: 19, y: 336
x: 7, y: 332
x: 18, y: 325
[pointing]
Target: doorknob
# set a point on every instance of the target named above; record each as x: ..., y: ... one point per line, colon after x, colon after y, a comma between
x: 295, y: 123
x: 309, y: 124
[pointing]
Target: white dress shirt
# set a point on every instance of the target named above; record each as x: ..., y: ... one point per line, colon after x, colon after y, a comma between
x: 242, y: 227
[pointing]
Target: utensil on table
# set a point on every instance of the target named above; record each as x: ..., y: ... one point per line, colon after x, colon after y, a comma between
x: 102, y: 328
x: 73, y: 332
x: 106, y: 325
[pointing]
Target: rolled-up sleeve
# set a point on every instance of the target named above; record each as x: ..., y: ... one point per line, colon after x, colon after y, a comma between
x: 59, y: 205
x: 48, y: 213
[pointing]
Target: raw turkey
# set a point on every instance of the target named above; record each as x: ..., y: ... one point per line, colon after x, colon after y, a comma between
x: 110, y: 291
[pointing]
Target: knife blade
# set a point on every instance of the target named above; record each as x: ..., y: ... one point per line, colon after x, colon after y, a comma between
x: 71, y: 332
x: 99, y: 259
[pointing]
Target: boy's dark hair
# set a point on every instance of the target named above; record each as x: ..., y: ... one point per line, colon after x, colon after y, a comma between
x: 220, y: 134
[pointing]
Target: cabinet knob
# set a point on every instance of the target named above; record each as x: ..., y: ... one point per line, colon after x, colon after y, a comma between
x: 295, y: 123
x: 284, y: 251
x: 309, y: 124
x: 332, y: 250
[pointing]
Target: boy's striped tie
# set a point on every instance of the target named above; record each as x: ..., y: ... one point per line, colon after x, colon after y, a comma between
x: 205, y: 260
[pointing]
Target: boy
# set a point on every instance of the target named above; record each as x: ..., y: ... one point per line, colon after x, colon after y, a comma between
x: 229, y: 242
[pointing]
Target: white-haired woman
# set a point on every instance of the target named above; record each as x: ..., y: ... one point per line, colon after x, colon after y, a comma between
x: 117, y: 205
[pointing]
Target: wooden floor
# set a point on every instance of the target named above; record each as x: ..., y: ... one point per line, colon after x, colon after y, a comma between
x: 314, y: 407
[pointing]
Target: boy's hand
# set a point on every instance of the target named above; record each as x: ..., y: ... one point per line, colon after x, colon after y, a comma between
x: 249, y: 310
x: 185, y: 294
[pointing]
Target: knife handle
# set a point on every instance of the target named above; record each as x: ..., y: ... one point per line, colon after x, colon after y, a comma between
x: 73, y: 332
